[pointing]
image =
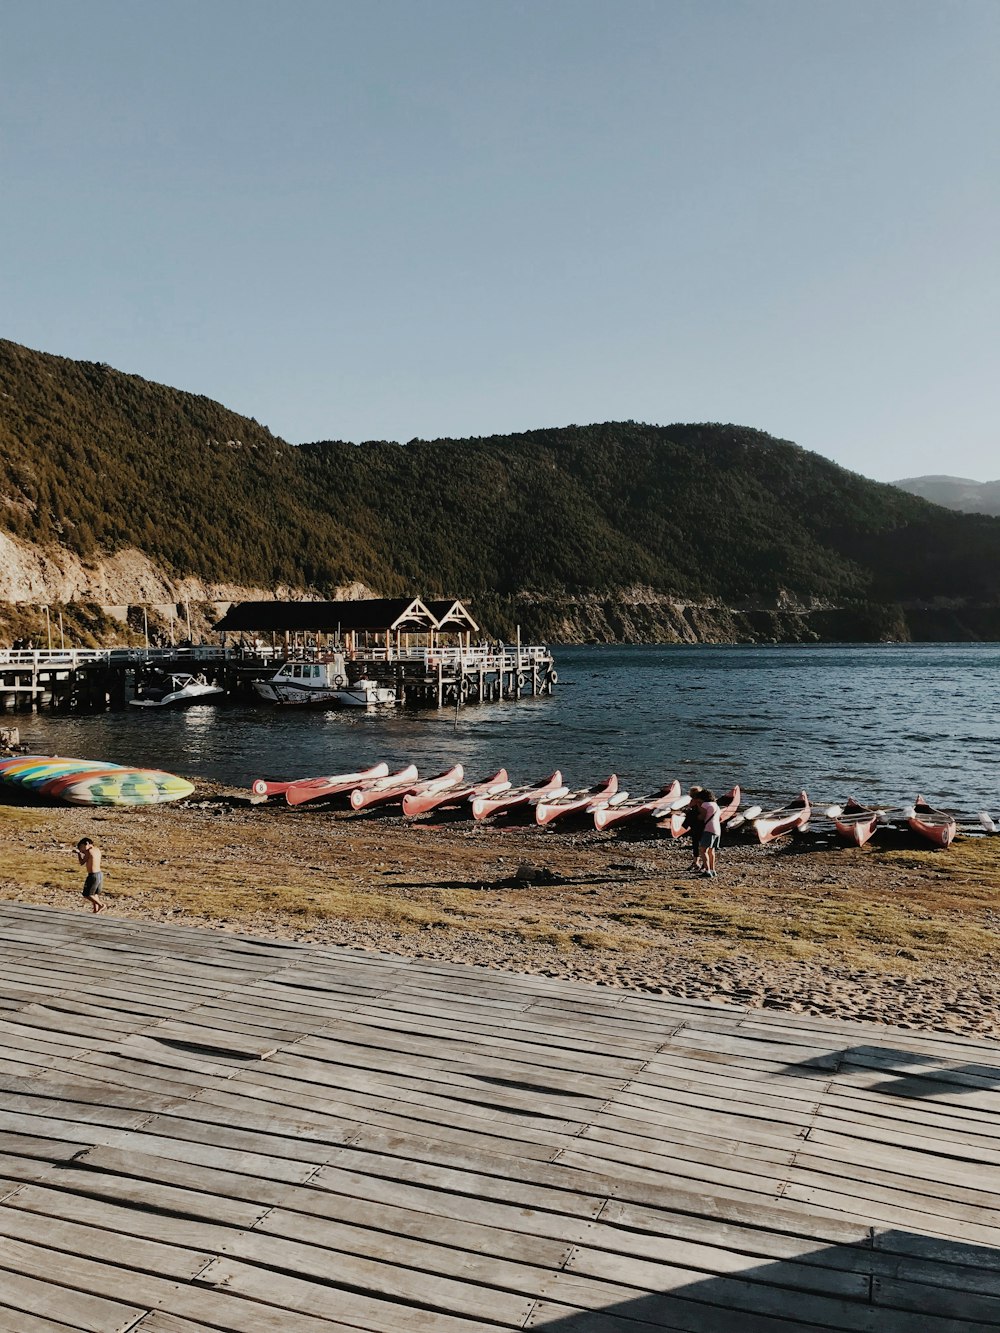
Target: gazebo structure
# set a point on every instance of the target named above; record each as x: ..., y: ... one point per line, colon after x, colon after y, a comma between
x: 454, y: 617
x: 421, y: 649
x: 354, y: 624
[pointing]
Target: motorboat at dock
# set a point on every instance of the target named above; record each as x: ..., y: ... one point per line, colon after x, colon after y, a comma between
x: 322, y: 684
x: 176, y: 690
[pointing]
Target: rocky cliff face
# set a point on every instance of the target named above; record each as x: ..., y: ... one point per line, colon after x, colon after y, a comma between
x: 97, y: 595
x: 648, y: 618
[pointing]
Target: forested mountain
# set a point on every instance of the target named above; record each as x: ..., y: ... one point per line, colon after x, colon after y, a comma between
x: 969, y: 497
x: 716, y: 515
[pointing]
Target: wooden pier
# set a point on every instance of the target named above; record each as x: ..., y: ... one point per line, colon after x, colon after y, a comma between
x: 87, y: 680
x: 202, y: 1131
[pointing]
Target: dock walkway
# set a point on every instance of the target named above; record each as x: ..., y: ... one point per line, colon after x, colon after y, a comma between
x: 201, y: 1130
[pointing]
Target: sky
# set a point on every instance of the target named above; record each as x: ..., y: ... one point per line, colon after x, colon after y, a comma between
x: 399, y: 219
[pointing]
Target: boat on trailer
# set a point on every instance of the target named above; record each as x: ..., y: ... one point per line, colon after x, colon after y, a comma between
x: 937, y: 826
x: 856, y: 822
x: 494, y: 803
x: 421, y: 803
x: 550, y: 808
x: 788, y: 819
x: 622, y: 807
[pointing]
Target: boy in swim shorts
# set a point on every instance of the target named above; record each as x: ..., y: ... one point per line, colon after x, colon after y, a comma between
x: 90, y: 856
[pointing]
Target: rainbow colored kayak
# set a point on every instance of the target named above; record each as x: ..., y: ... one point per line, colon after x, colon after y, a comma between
x: 91, y: 781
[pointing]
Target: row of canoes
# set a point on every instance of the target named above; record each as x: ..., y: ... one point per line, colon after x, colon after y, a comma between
x: 551, y: 799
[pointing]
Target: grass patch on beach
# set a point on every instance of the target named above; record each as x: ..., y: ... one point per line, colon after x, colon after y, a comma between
x: 286, y: 872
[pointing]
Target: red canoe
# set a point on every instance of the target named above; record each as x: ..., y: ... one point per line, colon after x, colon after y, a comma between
x: 555, y: 807
x: 430, y: 789
x: 856, y: 822
x: 676, y: 820
x: 383, y: 790
x: 415, y: 803
x: 937, y: 826
x: 486, y: 805
x: 776, y: 823
x: 631, y: 807
x: 314, y: 789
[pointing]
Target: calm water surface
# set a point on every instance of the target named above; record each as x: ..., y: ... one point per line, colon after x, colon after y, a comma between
x: 877, y: 721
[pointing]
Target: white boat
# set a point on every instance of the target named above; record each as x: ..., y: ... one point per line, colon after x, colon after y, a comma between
x: 365, y: 693
x: 175, y: 691
x: 322, y: 684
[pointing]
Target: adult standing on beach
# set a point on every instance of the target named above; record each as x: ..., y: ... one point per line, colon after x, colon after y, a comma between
x: 711, y: 832
x: 694, y: 823
x: 89, y: 855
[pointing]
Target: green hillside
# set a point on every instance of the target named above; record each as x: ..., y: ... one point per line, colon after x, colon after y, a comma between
x: 96, y: 460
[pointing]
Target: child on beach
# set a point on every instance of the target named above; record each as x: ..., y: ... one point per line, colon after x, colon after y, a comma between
x: 89, y: 855
x: 711, y: 832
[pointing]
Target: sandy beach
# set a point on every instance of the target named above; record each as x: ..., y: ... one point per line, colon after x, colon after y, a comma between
x: 889, y: 933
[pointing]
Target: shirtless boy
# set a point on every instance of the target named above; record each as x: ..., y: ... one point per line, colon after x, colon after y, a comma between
x: 90, y: 856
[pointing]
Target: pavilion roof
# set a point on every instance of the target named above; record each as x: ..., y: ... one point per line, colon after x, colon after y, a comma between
x: 452, y: 616
x: 374, y: 614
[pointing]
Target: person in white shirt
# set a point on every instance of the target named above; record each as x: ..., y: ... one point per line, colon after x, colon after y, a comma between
x: 711, y: 833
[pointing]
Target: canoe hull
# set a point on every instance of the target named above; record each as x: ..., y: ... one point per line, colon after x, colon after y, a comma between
x: 315, y: 789
x: 557, y: 807
x: 423, y: 803
x: 787, y: 820
x: 383, y: 791
x: 486, y: 805
x: 937, y: 826
x: 607, y: 815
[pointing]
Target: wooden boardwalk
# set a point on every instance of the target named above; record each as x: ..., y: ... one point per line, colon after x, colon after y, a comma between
x: 207, y: 1131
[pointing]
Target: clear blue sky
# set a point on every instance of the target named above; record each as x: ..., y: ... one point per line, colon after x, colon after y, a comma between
x: 380, y: 220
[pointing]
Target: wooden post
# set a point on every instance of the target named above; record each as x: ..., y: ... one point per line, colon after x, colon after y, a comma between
x: 440, y: 682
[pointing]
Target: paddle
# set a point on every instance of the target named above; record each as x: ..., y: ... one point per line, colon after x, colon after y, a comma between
x: 833, y: 811
x: 908, y: 812
x: 987, y: 822
x: 736, y: 821
x: 754, y: 812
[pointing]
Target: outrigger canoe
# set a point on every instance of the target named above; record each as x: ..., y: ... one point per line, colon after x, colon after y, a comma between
x: 674, y: 820
x: 554, y: 807
x: 300, y: 790
x: 380, y: 791
x: 616, y: 811
x: 856, y: 822
x: 415, y: 803
x: 776, y: 823
x: 937, y: 826
x: 494, y: 803
x: 431, y: 788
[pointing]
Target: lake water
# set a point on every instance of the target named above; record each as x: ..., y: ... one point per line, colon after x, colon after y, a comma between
x: 880, y: 722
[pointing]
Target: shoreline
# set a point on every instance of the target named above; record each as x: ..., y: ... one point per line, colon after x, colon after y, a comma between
x: 888, y: 934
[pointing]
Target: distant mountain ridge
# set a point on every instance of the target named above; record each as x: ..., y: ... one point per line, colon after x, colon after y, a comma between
x: 615, y: 530
x: 969, y: 497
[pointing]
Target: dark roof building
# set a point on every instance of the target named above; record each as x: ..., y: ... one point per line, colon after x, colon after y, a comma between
x: 374, y: 615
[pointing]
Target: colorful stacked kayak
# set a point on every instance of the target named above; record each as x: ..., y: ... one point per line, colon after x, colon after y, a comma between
x: 91, y: 782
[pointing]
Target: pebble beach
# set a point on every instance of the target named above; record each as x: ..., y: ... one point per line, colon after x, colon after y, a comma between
x: 889, y: 933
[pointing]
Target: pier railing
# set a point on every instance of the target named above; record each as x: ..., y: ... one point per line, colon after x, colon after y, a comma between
x: 486, y: 657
